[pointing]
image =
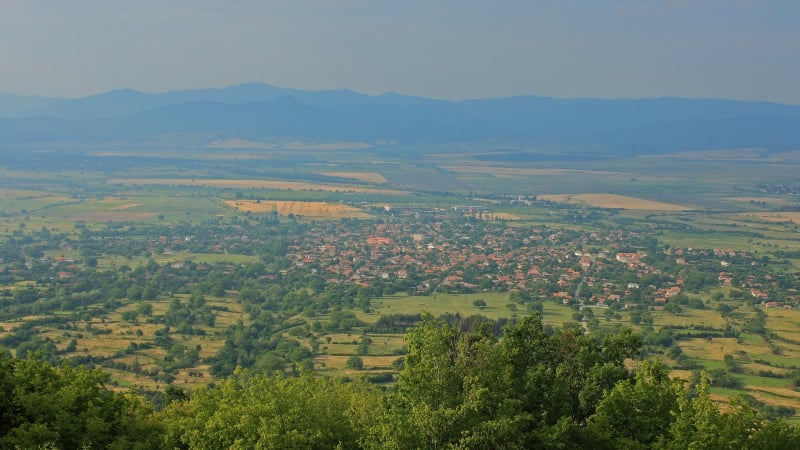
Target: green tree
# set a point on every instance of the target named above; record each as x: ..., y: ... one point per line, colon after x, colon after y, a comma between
x: 254, y: 411
x: 700, y: 424
x: 69, y: 407
x: 355, y: 362
x: 673, y: 308
x: 637, y: 413
x: 533, y: 388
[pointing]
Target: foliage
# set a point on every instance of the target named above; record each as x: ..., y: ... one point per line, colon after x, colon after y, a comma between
x: 355, y: 362
x: 536, y: 387
x: 471, y: 390
x: 69, y: 407
x: 249, y: 411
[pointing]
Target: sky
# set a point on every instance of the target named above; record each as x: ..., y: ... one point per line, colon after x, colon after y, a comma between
x: 455, y: 49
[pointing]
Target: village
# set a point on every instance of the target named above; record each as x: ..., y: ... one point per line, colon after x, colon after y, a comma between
x: 468, y: 256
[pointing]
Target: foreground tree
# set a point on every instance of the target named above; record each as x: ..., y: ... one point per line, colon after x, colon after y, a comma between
x: 534, y: 387
x: 638, y: 413
x: 701, y: 425
x: 254, y: 411
x: 69, y: 407
x: 473, y: 390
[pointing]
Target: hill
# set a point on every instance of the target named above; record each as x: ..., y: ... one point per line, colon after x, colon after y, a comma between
x: 262, y: 112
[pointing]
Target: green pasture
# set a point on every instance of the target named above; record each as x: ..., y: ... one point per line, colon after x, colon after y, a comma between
x: 751, y: 339
x: 206, y: 258
x: 754, y: 381
x: 438, y: 304
x: 688, y: 318
x: 706, y: 239
x: 425, y: 178
x: 557, y: 314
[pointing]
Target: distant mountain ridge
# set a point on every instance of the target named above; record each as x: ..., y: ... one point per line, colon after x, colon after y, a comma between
x: 12, y: 105
x: 256, y: 111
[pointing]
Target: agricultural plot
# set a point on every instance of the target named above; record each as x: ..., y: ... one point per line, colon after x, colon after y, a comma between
x: 751, y: 231
x: 749, y: 202
x: 131, y: 345
x: 778, y: 217
x: 367, y: 177
x: 250, y: 184
x: 380, y: 355
x: 438, y: 304
x: 14, y: 201
x: 425, y: 178
x: 154, y: 207
x: 309, y: 210
x: 613, y: 201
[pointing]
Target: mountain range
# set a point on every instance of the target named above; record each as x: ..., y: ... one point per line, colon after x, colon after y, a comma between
x: 261, y: 112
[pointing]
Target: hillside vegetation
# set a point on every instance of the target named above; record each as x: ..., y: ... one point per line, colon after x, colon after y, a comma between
x: 536, y: 387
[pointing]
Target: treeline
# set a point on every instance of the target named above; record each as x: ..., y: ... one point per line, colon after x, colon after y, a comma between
x: 537, y: 387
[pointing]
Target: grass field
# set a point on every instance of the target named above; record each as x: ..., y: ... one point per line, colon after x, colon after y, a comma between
x: 690, y: 317
x: 438, y: 304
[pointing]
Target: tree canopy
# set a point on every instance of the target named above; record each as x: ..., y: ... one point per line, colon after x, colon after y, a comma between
x: 530, y: 387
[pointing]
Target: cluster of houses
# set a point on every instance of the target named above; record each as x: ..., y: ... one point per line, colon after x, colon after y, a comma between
x: 465, y: 257
x: 479, y: 256
x: 437, y: 255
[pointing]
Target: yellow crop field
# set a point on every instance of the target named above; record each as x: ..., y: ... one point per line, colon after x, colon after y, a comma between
x: 317, y: 210
x: 252, y: 184
x: 780, y: 396
x: 613, y: 201
x: 715, y: 350
x: 369, y: 177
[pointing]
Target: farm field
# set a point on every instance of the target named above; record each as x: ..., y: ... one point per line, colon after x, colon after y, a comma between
x: 308, y: 210
x: 251, y: 184
x: 784, y: 217
x: 129, y: 347
x: 367, y: 177
x: 612, y: 201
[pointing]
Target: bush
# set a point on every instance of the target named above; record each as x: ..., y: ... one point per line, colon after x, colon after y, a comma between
x: 355, y: 362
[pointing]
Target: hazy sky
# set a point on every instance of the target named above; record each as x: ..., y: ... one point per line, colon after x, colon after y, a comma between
x: 436, y: 48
